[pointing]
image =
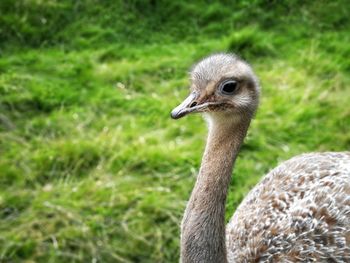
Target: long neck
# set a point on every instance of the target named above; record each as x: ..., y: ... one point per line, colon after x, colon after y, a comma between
x: 203, y: 224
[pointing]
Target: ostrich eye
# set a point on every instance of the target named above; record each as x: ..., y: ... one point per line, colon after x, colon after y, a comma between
x: 228, y: 87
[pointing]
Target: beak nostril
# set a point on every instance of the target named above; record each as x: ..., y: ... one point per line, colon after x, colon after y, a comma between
x: 193, y: 104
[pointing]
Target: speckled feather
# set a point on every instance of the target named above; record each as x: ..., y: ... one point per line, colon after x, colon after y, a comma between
x: 299, y: 212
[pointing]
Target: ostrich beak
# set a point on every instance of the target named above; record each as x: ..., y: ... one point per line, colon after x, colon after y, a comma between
x: 186, y: 107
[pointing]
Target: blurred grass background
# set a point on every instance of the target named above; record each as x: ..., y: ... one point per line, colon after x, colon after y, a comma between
x: 92, y: 169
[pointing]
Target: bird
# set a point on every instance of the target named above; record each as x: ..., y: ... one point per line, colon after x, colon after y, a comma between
x: 298, y: 212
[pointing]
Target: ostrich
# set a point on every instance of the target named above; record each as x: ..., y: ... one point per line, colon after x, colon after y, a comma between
x: 299, y: 212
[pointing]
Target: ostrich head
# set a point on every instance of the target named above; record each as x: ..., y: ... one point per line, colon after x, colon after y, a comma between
x: 222, y: 85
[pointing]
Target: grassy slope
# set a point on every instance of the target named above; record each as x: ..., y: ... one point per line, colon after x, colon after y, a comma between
x: 91, y: 166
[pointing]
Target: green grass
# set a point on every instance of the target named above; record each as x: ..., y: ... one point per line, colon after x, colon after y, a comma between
x: 92, y: 169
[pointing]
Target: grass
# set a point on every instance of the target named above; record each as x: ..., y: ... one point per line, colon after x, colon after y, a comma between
x: 92, y: 169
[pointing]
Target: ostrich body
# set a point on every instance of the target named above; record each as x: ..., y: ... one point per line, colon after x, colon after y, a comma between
x: 299, y: 212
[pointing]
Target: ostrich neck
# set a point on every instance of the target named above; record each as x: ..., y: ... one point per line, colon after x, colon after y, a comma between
x: 203, y: 224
